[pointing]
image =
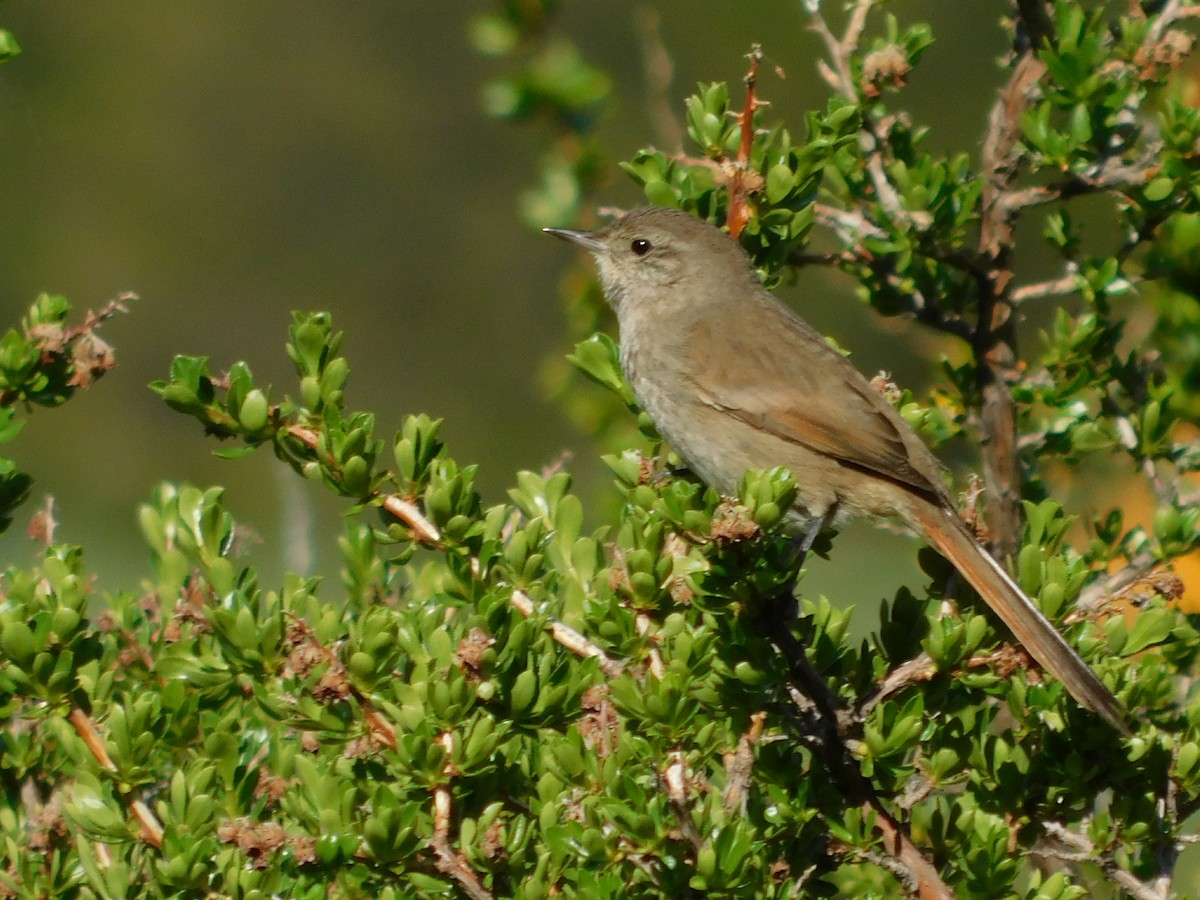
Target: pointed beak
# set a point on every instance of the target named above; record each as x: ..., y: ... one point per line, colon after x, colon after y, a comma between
x: 585, y: 239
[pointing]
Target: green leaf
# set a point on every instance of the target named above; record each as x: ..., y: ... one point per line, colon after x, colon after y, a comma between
x: 1159, y: 189
x: 1152, y: 626
x: 599, y: 359
x: 780, y: 180
x: 659, y: 193
x: 8, y: 46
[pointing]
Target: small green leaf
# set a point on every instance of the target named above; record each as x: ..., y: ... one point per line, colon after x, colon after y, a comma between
x: 8, y: 46
x: 780, y: 180
x: 598, y: 358
x: 1152, y: 626
x: 659, y: 193
x: 17, y: 642
x: 523, y: 691
x: 1159, y: 189
x: 253, y: 414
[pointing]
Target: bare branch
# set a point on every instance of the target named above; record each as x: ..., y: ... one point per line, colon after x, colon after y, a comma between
x: 568, y: 637
x: 801, y: 260
x: 85, y: 727
x: 918, y: 669
x: 1132, y: 584
x: 1076, y: 847
x: 740, y: 764
x: 1055, y: 287
x: 409, y: 513
x: 840, y: 50
x: 675, y: 781
x: 840, y: 77
x: 849, y: 225
x: 1110, y: 173
x: 742, y: 179
x: 152, y: 830
x: 923, y: 874
x: 932, y: 314
x: 448, y: 860
x: 90, y: 735
x: 995, y: 335
x: 1171, y: 12
x: 657, y: 669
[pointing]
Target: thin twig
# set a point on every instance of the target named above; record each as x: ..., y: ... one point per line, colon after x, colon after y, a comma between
x: 43, y: 525
x: 1127, y: 437
x: 801, y: 259
x: 675, y: 781
x: 379, y: 727
x: 1115, y: 587
x: 870, y: 142
x: 448, y: 860
x: 739, y: 182
x: 1172, y: 11
x: 739, y: 766
x: 840, y: 50
x: 151, y: 828
x: 569, y: 637
x: 1080, y: 848
x: 90, y: 735
x: 929, y: 884
x: 851, y: 226
x: 1110, y: 173
x: 410, y: 514
x: 657, y: 668
x: 916, y: 670
x: 93, y: 319
x: 1054, y: 287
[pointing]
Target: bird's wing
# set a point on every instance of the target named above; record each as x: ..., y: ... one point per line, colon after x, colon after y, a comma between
x: 802, y: 391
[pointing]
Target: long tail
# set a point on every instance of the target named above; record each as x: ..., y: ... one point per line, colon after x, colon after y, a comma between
x: 951, y: 538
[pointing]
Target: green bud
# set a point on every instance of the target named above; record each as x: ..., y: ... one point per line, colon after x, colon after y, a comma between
x: 253, y: 414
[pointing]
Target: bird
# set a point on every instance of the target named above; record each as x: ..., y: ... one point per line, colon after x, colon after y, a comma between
x: 734, y: 379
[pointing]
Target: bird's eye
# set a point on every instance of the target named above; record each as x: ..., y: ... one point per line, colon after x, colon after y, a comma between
x: 640, y: 246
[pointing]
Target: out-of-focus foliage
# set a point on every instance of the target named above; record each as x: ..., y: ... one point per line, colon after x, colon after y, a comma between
x: 498, y: 701
x: 43, y: 362
x: 547, y: 79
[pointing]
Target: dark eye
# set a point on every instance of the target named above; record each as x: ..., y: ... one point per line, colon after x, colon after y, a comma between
x: 640, y: 246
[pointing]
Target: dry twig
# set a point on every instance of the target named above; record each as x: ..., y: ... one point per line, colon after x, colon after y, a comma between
x: 1075, y: 847
x: 739, y: 766
x: 568, y: 637
x: 448, y: 860
x: 151, y: 828
x: 675, y: 781
x: 740, y: 183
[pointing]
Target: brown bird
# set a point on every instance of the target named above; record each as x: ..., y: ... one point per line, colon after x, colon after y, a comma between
x: 735, y: 380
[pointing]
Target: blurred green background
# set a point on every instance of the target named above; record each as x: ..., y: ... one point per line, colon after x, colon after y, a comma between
x: 232, y: 161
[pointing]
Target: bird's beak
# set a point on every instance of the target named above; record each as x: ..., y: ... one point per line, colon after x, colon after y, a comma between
x: 585, y: 239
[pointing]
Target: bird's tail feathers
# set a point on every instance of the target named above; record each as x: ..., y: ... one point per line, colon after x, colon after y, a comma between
x: 953, y: 540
